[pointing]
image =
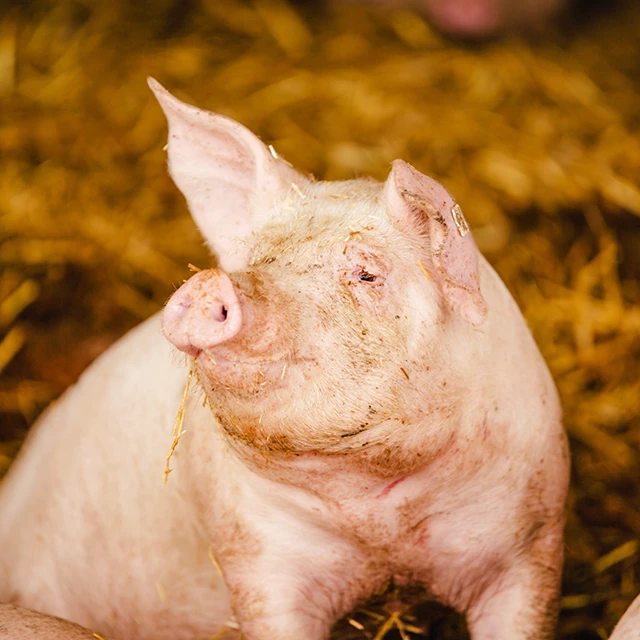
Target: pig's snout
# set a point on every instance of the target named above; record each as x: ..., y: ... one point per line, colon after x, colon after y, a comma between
x: 203, y: 313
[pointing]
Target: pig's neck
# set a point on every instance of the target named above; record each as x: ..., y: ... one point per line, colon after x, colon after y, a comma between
x: 374, y: 461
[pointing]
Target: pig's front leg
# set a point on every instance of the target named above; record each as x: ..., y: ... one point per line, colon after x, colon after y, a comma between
x: 297, y: 587
x: 522, y: 602
x: 276, y: 605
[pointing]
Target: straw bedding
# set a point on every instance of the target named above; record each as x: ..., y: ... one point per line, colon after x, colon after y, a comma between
x: 538, y: 139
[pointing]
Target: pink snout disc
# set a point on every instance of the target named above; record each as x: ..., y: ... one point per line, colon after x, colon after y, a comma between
x: 203, y: 313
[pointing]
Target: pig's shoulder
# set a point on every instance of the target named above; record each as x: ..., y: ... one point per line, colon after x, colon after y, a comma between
x: 140, y: 365
x: 139, y: 353
x: 122, y: 406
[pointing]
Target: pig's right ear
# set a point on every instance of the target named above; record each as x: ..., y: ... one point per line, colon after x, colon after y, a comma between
x: 226, y: 174
x: 421, y: 206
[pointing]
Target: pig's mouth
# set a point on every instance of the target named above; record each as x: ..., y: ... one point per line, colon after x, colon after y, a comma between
x: 223, y: 366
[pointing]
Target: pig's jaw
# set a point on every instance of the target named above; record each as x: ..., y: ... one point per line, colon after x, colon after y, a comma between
x: 272, y: 412
x: 387, y: 449
x: 241, y: 372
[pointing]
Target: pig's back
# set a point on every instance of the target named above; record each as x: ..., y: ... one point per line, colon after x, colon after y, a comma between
x: 123, y: 400
x: 87, y: 526
x: 23, y: 624
x: 629, y: 626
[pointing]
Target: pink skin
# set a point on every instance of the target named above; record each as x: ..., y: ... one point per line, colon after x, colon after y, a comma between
x: 466, y: 16
x: 387, y: 490
x: 202, y: 313
x: 483, y: 18
x: 22, y: 624
x: 480, y: 18
x: 208, y: 318
x: 356, y: 501
x: 376, y: 410
x: 629, y: 626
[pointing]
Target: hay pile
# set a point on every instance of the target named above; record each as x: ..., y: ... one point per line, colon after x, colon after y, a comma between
x: 540, y: 143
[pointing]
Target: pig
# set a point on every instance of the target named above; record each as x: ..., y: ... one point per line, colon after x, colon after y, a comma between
x: 481, y: 18
x: 476, y: 19
x: 367, y: 407
x: 22, y: 624
x: 629, y: 626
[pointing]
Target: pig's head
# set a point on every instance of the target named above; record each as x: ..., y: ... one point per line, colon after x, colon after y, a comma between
x: 340, y: 303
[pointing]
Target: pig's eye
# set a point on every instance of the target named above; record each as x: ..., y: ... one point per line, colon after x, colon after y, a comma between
x: 365, y: 276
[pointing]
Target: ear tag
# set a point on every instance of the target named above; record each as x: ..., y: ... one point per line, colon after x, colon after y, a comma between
x: 458, y: 218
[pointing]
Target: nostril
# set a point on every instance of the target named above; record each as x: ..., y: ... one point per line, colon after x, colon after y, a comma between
x: 220, y: 313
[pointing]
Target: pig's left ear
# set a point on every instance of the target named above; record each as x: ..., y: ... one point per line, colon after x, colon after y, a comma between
x: 419, y: 204
x: 228, y: 176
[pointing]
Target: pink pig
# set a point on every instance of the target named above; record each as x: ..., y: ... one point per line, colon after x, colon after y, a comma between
x: 486, y: 17
x: 482, y: 18
x: 375, y: 410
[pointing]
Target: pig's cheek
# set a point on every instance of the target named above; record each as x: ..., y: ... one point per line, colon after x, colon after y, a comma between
x: 368, y: 298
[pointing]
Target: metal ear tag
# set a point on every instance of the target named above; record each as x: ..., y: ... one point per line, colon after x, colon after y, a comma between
x: 458, y: 218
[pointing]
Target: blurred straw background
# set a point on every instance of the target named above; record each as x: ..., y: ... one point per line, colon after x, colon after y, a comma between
x: 538, y: 139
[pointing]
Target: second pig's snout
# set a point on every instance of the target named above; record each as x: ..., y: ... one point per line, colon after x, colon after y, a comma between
x: 203, y: 313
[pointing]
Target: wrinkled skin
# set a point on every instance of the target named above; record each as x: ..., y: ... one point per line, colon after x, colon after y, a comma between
x: 482, y: 18
x: 375, y: 409
x: 629, y: 626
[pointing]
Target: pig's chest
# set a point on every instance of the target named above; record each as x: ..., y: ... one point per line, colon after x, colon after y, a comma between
x: 424, y: 527
x: 378, y: 524
x: 428, y: 537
